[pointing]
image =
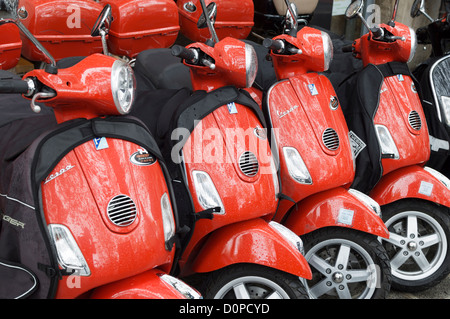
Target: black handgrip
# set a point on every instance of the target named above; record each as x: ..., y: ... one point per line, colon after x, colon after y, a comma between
x: 182, y: 52
x: 275, y: 45
x: 347, y: 48
x: 13, y: 86
x: 377, y: 32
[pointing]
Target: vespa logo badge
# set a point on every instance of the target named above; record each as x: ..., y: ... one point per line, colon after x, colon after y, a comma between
x: 142, y: 158
x: 260, y: 133
x: 284, y: 113
x: 312, y: 89
x: 334, y: 103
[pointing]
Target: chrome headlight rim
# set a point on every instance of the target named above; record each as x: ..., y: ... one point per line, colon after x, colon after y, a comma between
x: 251, y: 65
x: 123, y: 86
x: 327, y: 50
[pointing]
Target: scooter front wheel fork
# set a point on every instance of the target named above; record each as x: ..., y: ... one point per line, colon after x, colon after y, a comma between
x: 346, y: 264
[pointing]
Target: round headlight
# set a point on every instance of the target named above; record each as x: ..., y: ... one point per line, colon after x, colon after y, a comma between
x: 327, y: 50
x: 251, y: 64
x: 413, y: 44
x: 123, y: 86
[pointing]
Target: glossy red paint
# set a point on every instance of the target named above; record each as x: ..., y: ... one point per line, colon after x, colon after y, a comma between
x: 410, y: 182
x: 398, y: 98
x: 299, y: 119
x: 370, y: 50
x: 76, y: 194
x: 310, y: 41
x: 139, y: 25
x: 62, y: 27
x: 234, y: 19
x: 230, y: 60
x: 335, y: 207
x: 147, y: 285
x: 10, y: 46
x: 252, y: 241
x: 83, y: 90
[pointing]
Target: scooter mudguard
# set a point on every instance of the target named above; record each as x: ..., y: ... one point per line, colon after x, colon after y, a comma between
x: 148, y: 285
x: 412, y: 182
x: 335, y: 207
x: 252, y: 241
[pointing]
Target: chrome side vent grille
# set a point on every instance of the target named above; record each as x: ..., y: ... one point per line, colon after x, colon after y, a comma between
x: 330, y: 139
x: 414, y: 120
x: 121, y: 210
x: 248, y: 164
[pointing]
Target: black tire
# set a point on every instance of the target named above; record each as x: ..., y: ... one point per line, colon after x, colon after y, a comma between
x: 430, y: 220
x: 257, y: 282
x: 366, y: 275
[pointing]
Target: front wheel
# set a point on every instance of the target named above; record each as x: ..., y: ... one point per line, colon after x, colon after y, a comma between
x: 346, y: 264
x: 248, y: 281
x: 418, y: 245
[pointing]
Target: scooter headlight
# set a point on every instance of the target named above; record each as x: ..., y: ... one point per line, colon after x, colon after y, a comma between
x: 251, y: 65
x: 439, y: 176
x: 69, y: 254
x: 181, y: 287
x: 289, y: 235
x: 446, y: 108
x: 413, y: 36
x: 207, y: 194
x: 168, y: 220
x: 123, y: 86
x: 367, y: 200
x: 387, y: 144
x: 296, y: 166
x: 327, y: 50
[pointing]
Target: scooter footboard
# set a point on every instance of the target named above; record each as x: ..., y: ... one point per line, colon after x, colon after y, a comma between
x: 153, y: 284
x: 253, y: 241
x: 335, y: 207
x: 413, y: 182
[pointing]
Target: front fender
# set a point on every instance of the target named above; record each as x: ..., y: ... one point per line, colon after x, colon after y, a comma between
x: 410, y: 182
x: 334, y: 207
x: 252, y: 241
x: 147, y: 285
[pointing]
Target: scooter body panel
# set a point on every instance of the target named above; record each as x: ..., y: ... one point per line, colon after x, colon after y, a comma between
x: 410, y: 182
x: 302, y: 109
x: 82, y: 193
x: 335, y: 207
x: 147, y: 285
x: 400, y: 111
x: 216, y: 146
x: 10, y: 46
x: 252, y: 241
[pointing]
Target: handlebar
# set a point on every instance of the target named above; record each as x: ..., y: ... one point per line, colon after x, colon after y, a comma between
x: 276, y: 45
x: 14, y: 86
x: 182, y: 52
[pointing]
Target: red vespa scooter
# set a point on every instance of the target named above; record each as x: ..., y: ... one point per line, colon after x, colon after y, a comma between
x: 224, y: 177
x: 339, y: 226
x: 86, y: 208
x: 383, y: 107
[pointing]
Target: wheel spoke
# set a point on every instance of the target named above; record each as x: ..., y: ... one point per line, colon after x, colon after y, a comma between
x: 344, y: 293
x: 412, y: 225
x: 358, y: 275
x: 399, y: 259
x: 320, y: 288
x: 430, y: 240
x: 394, y: 239
x: 241, y: 291
x: 422, y: 261
x: 319, y: 264
x: 343, y: 256
x: 274, y: 295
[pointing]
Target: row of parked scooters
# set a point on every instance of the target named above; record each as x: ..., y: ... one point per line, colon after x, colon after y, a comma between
x: 136, y: 176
